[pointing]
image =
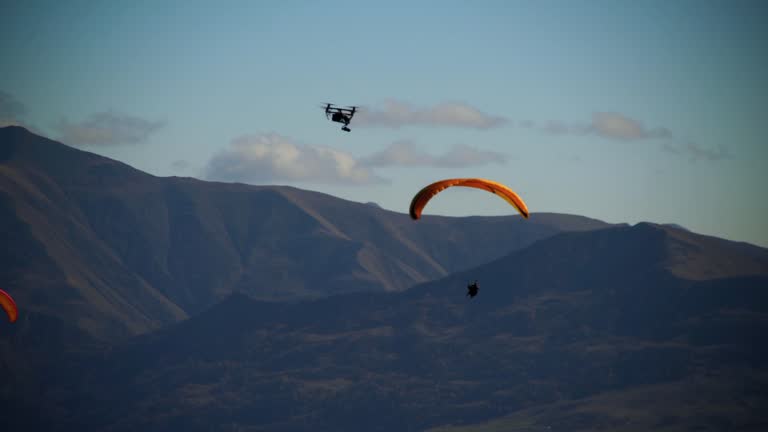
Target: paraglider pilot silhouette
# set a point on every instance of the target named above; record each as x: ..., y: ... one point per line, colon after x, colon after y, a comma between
x: 472, y: 289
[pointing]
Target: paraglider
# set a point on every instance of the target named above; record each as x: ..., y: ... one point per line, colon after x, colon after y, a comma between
x: 7, y: 303
x: 422, y: 198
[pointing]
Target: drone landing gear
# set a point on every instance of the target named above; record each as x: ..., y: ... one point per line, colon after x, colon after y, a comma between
x: 346, y: 129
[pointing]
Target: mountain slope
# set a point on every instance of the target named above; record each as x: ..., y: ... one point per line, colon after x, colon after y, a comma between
x: 698, y: 404
x: 558, y: 326
x: 116, y: 251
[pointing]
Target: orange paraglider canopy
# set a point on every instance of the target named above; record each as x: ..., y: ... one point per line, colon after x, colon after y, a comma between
x: 422, y: 198
x: 7, y: 303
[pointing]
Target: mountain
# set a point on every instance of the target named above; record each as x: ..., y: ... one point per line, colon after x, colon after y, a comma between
x: 114, y: 251
x: 626, y: 328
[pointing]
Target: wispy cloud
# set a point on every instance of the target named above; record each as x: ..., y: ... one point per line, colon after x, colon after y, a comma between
x: 610, y: 125
x: 557, y: 127
x: 14, y: 113
x: 405, y: 153
x: 618, y: 126
x: 180, y: 165
x: 11, y: 110
x: 574, y: 158
x: 396, y: 114
x: 272, y: 157
x: 694, y: 152
x: 108, y: 128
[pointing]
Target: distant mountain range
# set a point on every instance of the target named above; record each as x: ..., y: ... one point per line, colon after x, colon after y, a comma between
x: 579, y: 325
x: 94, y: 241
x: 564, y: 333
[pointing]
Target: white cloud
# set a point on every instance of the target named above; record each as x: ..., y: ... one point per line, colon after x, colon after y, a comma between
x: 609, y: 125
x: 272, y: 157
x: 695, y: 152
x: 11, y: 122
x: 11, y: 110
x: 107, y: 128
x: 13, y: 113
x: 396, y: 114
x: 618, y: 126
x: 405, y: 153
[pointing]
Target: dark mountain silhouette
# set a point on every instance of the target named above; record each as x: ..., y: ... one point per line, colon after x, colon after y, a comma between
x: 116, y: 251
x: 628, y: 328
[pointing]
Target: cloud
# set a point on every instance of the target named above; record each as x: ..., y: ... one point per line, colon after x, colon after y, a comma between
x: 10, y: 107
x: 13, y: 113
x: 574, y: 158
x: 555, y: 127
x: 272, y: 157
x: 615, y: 126
x: 695, y: 152
x: 396, y: 114
x: 405, y: 153
x: 610, y: 125
x: 107, y: 128
x: 618, y: 126
x: 11, y: 110
x: 13, y: 122
x: 180, y: 165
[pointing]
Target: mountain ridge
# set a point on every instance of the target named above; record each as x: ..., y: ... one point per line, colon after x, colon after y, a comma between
x: 120, y: 252
x: 178, y: 304
x: 544, y: 332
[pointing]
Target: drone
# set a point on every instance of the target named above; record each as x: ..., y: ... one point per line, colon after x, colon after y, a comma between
x: 340, y: 115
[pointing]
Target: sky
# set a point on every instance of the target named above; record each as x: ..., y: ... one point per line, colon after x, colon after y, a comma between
x: 622, y: 111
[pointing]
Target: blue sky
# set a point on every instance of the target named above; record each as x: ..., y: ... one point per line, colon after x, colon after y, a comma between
x: 623, y: 111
